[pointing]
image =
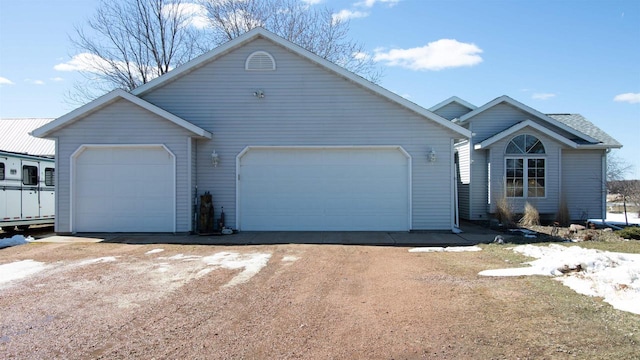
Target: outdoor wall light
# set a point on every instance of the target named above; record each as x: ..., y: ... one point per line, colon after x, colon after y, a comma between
x: 215, y: 158
x: 259, y: 94
x: 431, y: 156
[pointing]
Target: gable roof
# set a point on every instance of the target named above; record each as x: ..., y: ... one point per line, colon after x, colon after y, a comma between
x: 585, y: 126
x: 15, y: 137
x: 340, y: 71
x: 519, y: 126
x: 453, y: 99
x: 110, y: 98
x: 527, y: 109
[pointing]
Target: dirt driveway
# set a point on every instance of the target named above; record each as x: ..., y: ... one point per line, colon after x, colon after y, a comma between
x: 278, y: 302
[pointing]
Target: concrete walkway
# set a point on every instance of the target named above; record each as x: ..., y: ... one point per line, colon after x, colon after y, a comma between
x: 471, y: 235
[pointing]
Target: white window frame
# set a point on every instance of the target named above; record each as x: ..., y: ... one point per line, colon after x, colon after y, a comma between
x: 525, y: 176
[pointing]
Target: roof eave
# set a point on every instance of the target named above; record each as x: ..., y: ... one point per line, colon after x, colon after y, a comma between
x: 109, y: 98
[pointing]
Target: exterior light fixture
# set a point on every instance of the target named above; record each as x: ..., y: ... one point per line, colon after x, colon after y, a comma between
x: 259, y: 94
x: 431, y: 156
x: 215, y: 158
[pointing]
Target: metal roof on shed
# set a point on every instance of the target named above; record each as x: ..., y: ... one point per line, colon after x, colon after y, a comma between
x: 15, y: 136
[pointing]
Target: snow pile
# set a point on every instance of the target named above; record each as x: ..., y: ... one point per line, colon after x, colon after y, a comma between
x: 446, y: 249
x: 97, y: 261
x: 612, y: 276
x: 252, y: 264
x: 15, y: 240
x: 154, y: 251
x: 19, y: 269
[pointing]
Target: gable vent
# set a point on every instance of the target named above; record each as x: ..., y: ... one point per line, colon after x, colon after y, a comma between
x: 260, y: 61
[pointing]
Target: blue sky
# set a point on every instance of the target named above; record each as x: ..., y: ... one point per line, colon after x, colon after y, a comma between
x: 557, y: 56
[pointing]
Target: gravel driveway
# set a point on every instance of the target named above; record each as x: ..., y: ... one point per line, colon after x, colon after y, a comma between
x: 110, y: 301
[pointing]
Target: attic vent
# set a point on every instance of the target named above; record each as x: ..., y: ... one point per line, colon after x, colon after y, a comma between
x: 260, y: 61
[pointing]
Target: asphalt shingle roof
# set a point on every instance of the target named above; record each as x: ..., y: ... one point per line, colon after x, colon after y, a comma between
x: 579, y: 123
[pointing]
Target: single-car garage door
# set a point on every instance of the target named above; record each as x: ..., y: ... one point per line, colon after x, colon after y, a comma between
x: 123, y: 189
x: 317, y: 189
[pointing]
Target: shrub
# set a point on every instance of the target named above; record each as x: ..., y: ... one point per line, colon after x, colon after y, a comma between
x: 562, y: 217
x: 632, y: 232
x: 531, y: 216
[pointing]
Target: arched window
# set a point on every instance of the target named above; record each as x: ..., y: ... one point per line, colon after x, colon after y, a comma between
x: 524, y: 167
x: 525, y: 144
x: 260, y: 61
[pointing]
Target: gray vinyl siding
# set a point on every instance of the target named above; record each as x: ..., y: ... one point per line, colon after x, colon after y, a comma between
x: 127, y: 124
x: 501, y: 117
x: 464, y: 179
x: 553, y: 150
x: 478, y: 188
x: 304, y: 105
x: 582, y: 185
x: 452, y: 111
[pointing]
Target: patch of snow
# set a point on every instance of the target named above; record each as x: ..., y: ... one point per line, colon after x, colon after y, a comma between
x: 618, y: 219
x: 184, y: 257
x: 446, y: 249
x: 252, y: 264
x: 154, y: 251
x: 19, y: 269
x: 98, y: 260
x: 290, y: 258
x: 15, y: 240
x: 610, y: 275
x: 456, y: 230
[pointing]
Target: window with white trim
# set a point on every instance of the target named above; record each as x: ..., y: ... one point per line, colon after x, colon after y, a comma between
x: 525, y: 169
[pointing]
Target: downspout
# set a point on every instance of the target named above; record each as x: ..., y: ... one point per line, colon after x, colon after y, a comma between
x: 604, y: 185
x: 454, y: 189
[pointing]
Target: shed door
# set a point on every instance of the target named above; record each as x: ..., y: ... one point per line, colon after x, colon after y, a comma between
x: 124, y: 189
x: 311, y: 189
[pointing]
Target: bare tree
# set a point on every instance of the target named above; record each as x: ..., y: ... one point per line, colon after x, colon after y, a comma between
x: 628, y: 190
x: 129, y: 42
x: 315, y: 29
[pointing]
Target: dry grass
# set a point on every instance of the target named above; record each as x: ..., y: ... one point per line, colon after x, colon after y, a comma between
x: 531, y: 216
x: 504, y: 213
x: 562, y: 217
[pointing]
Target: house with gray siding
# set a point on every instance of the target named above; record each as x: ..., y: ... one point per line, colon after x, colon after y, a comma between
x: 521, y: 155
x: 281, y: 138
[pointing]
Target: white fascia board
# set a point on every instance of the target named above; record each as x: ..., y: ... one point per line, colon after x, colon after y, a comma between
x: 529, y: 110
x: 519, y: 126
x: 260, y: 32
x: 450, y: 100
x: 109, y: 98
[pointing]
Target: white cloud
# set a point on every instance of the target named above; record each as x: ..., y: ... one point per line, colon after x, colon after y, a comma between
x: 91, y: 63
x: 542, y: 96
x: 195, y: 13
x: 34, y: 82
x: 361, y: 55
x: 57, y: 79
x: 312, y: 2
x: 83, y: 62
x: 370, y: 3
x: 5, y: 81
x: 345, y: 14
x: 437, y: 55
x: 631, y: 98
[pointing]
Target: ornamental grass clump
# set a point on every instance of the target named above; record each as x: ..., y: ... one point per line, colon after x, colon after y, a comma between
x: 531, y: 216
x: 504, y: 214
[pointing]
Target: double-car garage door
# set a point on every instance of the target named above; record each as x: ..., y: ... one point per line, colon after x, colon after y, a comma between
x: 124, y: 189
x: 316, y: 189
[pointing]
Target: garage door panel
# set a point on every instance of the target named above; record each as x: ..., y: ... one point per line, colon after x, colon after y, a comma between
x: 127, y: 189
x: 324, y: 189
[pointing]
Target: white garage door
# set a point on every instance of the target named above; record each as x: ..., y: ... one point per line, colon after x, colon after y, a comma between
x: 324, y: 189
x: 124, y: 189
